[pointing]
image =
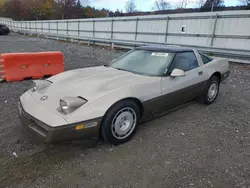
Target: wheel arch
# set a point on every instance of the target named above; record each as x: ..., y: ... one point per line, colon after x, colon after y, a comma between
x: 135, y: 100
x: 217, y: 74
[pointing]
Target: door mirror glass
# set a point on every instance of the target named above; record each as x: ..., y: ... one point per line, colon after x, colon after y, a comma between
x: 177, y: 73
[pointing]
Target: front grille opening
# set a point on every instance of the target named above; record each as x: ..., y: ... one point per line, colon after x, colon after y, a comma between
x: 40, y: 130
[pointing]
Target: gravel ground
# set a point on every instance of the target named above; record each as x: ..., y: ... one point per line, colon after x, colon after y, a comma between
x: 196, y: 146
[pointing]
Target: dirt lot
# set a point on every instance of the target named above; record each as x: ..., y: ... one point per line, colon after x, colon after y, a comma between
x: 196, y: 146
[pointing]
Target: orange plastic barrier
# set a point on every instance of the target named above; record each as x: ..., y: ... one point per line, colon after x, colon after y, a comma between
x: 20, y: 66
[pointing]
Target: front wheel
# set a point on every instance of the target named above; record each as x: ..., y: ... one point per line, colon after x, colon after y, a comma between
x: 120, y: 122
x: 211, y: 91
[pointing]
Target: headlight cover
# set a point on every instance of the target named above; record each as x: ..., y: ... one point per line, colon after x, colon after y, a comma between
x: 40, y: 85
x: 70, y: 104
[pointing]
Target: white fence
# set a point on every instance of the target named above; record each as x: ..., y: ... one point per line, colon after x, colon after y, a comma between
x: 225, y: 32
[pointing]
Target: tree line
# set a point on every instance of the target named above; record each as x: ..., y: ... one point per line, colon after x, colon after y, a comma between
x: 160, y: 5
x: 48, y: 9
x: 73, y: 9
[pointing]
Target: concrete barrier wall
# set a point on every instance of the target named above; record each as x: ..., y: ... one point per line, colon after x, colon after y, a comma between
x: 226, y: 30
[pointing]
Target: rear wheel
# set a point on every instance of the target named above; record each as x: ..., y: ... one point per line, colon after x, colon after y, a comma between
x: 120, y: 122
x: 211, y: 91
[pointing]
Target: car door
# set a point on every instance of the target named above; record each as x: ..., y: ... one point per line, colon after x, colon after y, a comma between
x: 178, y: 90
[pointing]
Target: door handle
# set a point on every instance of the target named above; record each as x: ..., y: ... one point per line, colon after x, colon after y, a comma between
x: 200, y: 73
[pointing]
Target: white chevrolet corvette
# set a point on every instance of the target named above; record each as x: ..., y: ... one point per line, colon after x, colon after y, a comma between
x: 110, y: 100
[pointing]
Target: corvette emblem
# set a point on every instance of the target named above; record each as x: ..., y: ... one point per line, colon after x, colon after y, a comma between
x: 44, y: 98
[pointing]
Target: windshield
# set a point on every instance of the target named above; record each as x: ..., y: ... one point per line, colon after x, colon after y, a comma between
x: 144, y: 62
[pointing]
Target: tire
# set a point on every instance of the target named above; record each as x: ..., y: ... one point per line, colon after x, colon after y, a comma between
x: 6, y: 32
x: 120, y: 122
x: 211, y: 91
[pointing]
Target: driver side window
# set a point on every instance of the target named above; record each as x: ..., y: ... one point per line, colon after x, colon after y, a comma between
x: 185, y: 61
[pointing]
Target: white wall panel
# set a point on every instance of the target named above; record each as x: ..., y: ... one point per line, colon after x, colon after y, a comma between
x: 86, y: 34
x: 233, y: 26
x: 103, y: 26
x: 73, y: 33
x: 39, y: 26
x: 72, y: 26
x: 124, y: 36
x: 45, y: 25
x: 61, y: 32
x: 86, y: 26
x: 193, y: 26
x: 53, y: 31
x: 32, y: 25
x: 153, y: 26
x: 198, y: 41
x: 151, y: 38
x: 232, y: 43
x: 62, y: 25
x: 102, y: 35
x: 128, y: 26
x: 53, y: 25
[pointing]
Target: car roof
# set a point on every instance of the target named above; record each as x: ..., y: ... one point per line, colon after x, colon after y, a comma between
x: 161, y: 48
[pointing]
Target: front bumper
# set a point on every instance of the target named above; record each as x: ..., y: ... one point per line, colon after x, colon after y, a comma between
x: 83, y: 130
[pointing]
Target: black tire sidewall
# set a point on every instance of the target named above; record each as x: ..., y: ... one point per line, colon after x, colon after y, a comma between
x: 108, y: 118
x: 6, y: 32
x: 210, y: 82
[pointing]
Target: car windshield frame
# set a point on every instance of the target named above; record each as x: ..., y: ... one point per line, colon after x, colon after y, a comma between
x: 163, y: 56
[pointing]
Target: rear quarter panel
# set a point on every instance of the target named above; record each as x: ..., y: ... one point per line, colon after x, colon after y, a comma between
x: 216, y: 65
x: 219, y: 65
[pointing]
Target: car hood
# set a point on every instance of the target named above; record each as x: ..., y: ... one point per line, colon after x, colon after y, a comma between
x: 89, y: 83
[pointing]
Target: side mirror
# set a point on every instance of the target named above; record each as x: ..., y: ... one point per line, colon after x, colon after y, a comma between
x: 177, y: 73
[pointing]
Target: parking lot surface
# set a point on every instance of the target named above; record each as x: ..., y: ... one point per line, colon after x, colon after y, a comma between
x: 196, y: 146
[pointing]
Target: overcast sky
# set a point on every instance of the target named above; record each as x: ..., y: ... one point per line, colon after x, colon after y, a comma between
x: 142, y: 5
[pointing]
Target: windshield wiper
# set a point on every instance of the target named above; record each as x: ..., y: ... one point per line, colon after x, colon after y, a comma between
x: 124, y: 70
x: 121, y: 69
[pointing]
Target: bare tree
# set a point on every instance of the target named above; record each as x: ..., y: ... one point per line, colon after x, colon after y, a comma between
x: 244, y: 2
x: 182, y: 4
x: 161, y: 5
x: 130, y: 6
x: 197, y: 3
x: 213, y: 3
x: 200, y: 3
